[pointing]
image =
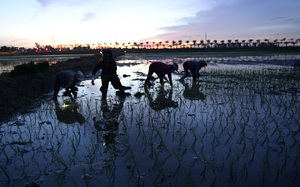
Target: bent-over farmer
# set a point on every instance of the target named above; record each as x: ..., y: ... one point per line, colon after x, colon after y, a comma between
x: 161, y: 69
x: 194, y: 67
x: 67, y: 79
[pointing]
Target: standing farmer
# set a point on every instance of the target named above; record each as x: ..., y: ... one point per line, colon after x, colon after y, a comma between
x: 109, y: 73
x: 193, y: 67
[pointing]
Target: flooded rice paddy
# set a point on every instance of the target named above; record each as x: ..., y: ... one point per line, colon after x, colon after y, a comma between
x: 239, y: 125
x: 7, y: 63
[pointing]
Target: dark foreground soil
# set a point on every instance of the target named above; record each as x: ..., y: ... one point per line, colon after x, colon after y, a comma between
x: 17, y: 94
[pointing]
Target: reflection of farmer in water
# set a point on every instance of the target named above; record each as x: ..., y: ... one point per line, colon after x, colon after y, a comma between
x: 161, y: 102
x: 108, y: 124
x: 68, y: 112
x: 194, y: 67
x: 193, y: 92
x: 68, y: 80
x: 109, y: 73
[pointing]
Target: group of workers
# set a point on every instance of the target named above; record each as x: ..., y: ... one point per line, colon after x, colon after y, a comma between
x: 68, y: 78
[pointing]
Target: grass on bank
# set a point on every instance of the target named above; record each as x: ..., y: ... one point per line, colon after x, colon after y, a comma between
x: 28, y: 82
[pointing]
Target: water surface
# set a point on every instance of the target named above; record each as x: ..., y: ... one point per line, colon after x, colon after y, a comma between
x: 237, y: 126
x: 7, y: 63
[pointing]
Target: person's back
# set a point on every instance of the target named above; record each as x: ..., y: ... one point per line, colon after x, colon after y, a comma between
x: 193, y: 67
x: 161, y: 69
x: 196, y: 65
x: 107, y: 64
x: 67, y: 79
x: 109, y: 67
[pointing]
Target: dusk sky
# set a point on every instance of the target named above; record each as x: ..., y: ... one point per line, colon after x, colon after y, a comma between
x: 48, y: 22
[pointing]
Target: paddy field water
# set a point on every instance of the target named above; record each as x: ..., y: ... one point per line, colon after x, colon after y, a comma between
x: 239, y: 125
x: 7, y: 63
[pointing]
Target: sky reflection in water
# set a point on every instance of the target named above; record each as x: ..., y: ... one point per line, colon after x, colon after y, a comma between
x: 229, y: 128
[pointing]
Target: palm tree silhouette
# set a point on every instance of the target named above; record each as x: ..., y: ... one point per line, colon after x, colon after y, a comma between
x: 167, y: 42
x: 202, y: 43
x: 180, y: 43
x: 187, y: 43
x: 229, y: 44
x: 160, y: 43
x: 208, y: 43
x: 174, y: 44
x: 257, y: 42
x: 215, y: 43
x: 194, y: 43
x: 243, y: 43
x: 250, y: 42
x: 223, y: 44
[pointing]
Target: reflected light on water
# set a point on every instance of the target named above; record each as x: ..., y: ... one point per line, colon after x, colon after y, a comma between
x: 7, y: 63
x: 65, y: 105
x: 232, y: 128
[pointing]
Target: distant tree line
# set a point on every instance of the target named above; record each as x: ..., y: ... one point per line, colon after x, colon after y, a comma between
x: 7, y: 49
x: 211, y: 44
x: 188, y: 44
x: 221, y: 44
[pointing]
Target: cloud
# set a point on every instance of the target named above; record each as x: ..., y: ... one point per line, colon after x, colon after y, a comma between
x: 286, y: 20
x: 45, y: 3
x: 88, y: 16
x: 238, y: 19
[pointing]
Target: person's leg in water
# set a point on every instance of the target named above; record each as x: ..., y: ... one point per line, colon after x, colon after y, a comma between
x: 74, y: 90
x: 67, y: 92
x: 104, y: 87
x: 150, y: 73
x: 116, y: 83
x: 161, y: 80
x: 186, y: 71
x: 56, y: 87
x: 194, y: 73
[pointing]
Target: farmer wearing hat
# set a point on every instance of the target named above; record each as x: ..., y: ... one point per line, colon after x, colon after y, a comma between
x: 108, y: 74
x: 67, y: 79
x: 194, y: 67
x: 161, y: 69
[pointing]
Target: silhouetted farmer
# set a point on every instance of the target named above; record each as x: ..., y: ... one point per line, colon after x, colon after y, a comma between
x: 67, y: 79
x: 161, y: 69
x: 193, y: 67
x: 109, y: 73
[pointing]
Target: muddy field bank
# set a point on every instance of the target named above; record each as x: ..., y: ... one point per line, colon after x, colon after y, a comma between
x: 18, y: 92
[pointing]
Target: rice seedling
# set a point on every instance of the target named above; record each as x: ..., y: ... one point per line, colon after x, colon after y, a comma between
x: 59, y: 161
x: 3, y: 170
